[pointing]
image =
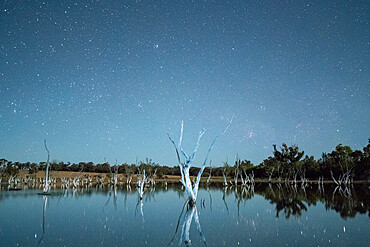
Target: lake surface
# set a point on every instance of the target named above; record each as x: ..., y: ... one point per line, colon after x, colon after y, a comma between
x: 263, y: 215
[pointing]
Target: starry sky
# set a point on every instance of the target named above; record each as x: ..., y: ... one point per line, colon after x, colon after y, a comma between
x: 108, y: 79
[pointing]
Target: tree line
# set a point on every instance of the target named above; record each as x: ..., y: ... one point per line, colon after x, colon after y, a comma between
x: 285, y: 163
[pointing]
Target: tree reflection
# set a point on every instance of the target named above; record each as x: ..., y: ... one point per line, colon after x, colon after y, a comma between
x: 348, y: 201
x: 293, y: 200
x: 187, y: 218
x: 45, y: 198
x: 287, y: 198
x: 140, y: 203
x: 246, y: 192
x: 290, y: 206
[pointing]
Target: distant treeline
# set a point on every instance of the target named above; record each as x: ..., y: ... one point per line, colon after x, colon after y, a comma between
x: 286, y: 163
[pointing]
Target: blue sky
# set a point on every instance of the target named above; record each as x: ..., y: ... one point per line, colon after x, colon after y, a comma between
x: 109, y: 79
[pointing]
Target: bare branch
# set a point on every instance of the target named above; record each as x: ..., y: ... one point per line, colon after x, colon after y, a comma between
x: 214, y: 141
x: 177, y: 151
x: 201, y: 133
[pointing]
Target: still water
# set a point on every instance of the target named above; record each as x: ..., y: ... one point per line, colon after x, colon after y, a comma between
x: 263, y: 215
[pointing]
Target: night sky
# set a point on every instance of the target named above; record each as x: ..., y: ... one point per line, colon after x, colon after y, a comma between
x: 109, y: 79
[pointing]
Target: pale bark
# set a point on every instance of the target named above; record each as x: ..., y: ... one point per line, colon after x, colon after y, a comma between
x: 46, y: 180
x: 141, y: 183
x: 192, y: 189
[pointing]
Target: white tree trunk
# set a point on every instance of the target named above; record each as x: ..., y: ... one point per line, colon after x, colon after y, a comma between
x: 225, y: 180
x: 192, y: 190
x: 46, y: 180
x: 141, y: 186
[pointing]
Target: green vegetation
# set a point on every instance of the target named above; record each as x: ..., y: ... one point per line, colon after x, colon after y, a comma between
x: 286, y: 164
x: 342, y: 163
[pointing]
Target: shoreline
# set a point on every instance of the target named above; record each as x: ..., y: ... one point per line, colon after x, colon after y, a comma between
x: 58, y: 175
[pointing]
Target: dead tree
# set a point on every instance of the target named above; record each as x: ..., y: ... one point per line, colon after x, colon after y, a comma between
x: 192, y: 188
x: 46, y: 180
x: 141, y: 184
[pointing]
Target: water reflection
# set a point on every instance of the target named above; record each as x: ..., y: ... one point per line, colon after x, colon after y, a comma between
x: 287, y: 198
x: 292, y: 200
x: 186, y: 219
x: 45, y: 199
x: 254, y: 212
x: 243, y: 193
x: 139, y: 206
x: 349, y: 202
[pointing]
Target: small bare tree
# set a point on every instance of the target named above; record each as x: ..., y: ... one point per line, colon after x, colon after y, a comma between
x: 141, y: 184
x: 46, y: 180
x: 225, y: 173
x: 114, y: 175
x: 128, y: 173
